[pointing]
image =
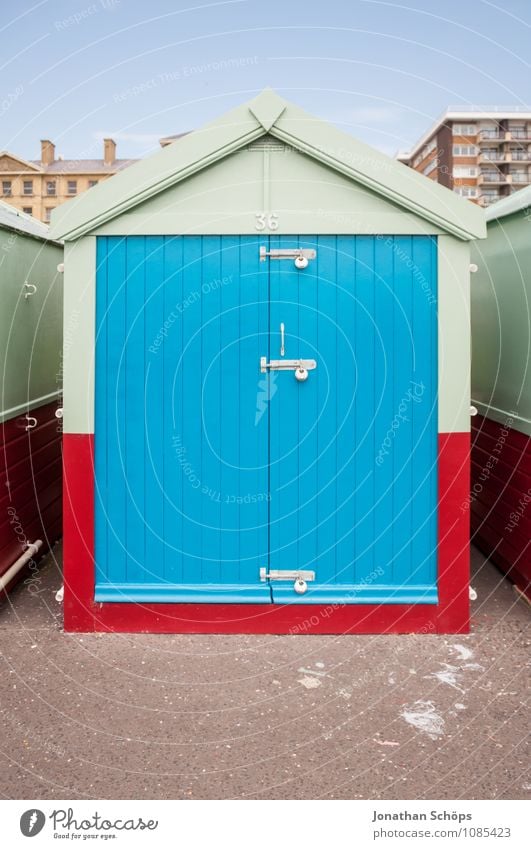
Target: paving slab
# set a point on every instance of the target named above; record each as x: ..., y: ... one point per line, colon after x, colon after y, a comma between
x: 120, y: 716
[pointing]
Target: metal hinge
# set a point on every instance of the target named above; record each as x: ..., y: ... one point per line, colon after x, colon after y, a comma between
x: 286, y: 365
x: 286, y: 253
x: 286, y: 574
x: 300, y: 577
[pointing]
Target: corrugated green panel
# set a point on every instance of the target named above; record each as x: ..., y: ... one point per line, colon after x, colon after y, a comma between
x: 501, y: 322
x: 31, y: 332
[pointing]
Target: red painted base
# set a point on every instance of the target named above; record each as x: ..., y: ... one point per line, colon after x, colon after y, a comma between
x: 501, y: 498
x: 30, y: 486
x: 450, y: 615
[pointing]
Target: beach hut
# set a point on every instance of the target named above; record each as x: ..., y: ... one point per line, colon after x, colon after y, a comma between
x: 501, y: 389
x: 31, y: 328
x: 267, y: 400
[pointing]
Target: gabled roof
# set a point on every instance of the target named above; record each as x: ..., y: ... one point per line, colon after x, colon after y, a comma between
x: 13, y: 219
x: 26, y: 165
x: 269, y: 113
x: 513, y: 203
x: 83, y: 166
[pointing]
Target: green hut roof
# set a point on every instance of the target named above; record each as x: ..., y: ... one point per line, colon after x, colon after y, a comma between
x: 507, y: 206
x: 269, y: 113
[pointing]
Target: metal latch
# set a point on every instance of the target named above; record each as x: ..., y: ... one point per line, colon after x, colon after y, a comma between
x: 300, y: 367
x: 299, y: 577
x: 300, y: 256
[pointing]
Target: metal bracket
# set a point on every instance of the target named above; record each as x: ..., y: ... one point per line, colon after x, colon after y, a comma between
x: 286, y: 365
x: 286, y: 253
x: 286, y: 575
x: 30, y: 288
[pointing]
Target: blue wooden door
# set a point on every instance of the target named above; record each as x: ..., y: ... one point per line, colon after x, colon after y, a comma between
x: 181, y: 460
x: 209, y: 473
x: 353, y: 449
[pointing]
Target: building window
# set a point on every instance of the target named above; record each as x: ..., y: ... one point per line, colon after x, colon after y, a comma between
x: 27, y: 187
x: 465, y: 171
x: 464, y: 150
x: 51, y: 189
x: 28, y: 210
x: 518, y: 131
x: 92, y: 183
x: 431, y: 166
x: 6, y: 188
x: 72, y: 187
x: 492, y: 133
x: 464, y: 129
x: 47, y: 213
x: 492, y: 154
x: 466, y: 191
x: 426, y: 150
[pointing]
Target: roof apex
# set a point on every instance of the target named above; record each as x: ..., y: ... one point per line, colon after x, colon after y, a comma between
x: 269, y: 113
x: 267, y: 108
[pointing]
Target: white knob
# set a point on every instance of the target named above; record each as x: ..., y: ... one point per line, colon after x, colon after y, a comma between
x: 300, y: 586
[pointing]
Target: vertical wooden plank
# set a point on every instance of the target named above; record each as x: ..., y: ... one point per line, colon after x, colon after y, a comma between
x: 405, y: 336
x: 371, y: 278
x: 154, y: 319
x: 327, y: 403
x: 383, y: 410
x: 116, y: 409
x: 347, y: 397
x: 101, y: 420
x: 134, y: 457
x: 230, y: 405
x: 424, y: 412
x: 191, y: 426
x: 307, y: 395
x: 211, y: 497
x: 253, y: 476
x: 269, y: 393
x: 169, y: 343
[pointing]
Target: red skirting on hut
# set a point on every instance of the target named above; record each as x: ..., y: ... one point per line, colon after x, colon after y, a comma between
x: 30, y: 484
x: 450, y: 615
x: 501, y: 497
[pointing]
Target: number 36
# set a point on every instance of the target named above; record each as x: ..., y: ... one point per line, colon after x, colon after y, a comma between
x: 264, y: 220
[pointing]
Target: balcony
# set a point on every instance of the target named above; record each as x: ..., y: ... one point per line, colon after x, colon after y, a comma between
x: 496, y: 179
x: 493, y: 135
x: 520, y: 178
x: 486, y: 200
x: 492, y: 157
x: 519, y: 156
x: 519, y: 135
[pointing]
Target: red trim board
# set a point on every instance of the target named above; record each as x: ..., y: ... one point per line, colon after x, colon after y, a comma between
x: 501, y: 497
x: 30, y: 484
x: 450, y: 615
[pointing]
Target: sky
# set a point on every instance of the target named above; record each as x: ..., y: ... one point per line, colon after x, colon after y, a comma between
x: 76, y: 71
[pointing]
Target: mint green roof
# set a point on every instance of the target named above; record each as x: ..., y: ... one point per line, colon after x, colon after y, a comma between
x: 513, y: 203
x: 269, y: 113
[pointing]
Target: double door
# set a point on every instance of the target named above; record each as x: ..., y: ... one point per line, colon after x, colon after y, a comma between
x: 266, y: 425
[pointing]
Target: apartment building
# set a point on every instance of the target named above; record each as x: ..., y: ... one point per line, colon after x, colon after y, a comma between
x: 36, y: 187
x: 482, y: 154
